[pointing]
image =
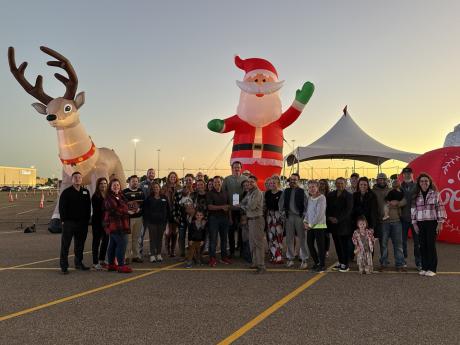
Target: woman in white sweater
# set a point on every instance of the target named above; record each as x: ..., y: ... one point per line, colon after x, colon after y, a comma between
x: 315, y: 225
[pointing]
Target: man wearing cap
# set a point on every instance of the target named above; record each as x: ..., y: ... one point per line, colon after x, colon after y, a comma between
x: 259, y: 122
x: 388, y: 227
x: 408, y: 187
x: 380, y: 190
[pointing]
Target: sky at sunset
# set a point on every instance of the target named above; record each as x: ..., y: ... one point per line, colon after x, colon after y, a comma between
x: 159, y: 71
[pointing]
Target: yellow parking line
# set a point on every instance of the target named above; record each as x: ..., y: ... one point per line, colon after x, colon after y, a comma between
x: 84, y: 293
x: 266, y: 313
x: 36, y: 262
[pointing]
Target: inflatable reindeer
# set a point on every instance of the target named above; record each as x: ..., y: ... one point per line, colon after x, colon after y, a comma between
x: 77, y: 151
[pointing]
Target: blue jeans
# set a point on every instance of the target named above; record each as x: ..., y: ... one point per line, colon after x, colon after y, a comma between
x: 393, y: 231
x: 405, y: 232
x: 117, y: 247
x: 218, y: 225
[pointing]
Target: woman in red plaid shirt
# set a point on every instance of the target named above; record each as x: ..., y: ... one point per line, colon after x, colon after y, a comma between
x: 116, y: 224
x: 428, y: 214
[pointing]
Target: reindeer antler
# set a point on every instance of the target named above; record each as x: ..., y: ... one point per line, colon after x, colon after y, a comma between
x: 70, y: 83
x: 35, y: 91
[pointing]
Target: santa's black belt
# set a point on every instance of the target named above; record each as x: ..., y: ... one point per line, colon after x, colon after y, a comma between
x: 259, y: 147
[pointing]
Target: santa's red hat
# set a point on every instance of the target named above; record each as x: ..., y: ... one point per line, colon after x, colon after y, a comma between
x: 253, y: 66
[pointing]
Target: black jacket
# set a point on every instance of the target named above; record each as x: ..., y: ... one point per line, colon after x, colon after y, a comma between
x: 366, y: 206
x: 339, y: 207
x: 75, y: 205
x: 196, y: 234
x: 156, y: 211
x: 97, y: 202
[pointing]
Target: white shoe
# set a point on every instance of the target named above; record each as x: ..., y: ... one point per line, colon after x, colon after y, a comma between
x: 153, y: 259
x: 290, y: 263
x: 303, y: 265
x: 159, y: 258
x: 97, y: 267
x: 430, y: 274
x: 422, y: 273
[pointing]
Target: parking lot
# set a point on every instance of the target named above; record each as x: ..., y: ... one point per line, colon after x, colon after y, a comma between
x: 169, y: 304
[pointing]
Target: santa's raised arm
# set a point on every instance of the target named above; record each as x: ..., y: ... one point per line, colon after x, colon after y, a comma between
x: 259, y: 121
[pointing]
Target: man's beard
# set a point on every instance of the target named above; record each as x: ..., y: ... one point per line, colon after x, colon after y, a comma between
x: 259, y: 111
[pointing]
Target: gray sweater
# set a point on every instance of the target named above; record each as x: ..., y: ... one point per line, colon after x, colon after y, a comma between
x: 316, y: 212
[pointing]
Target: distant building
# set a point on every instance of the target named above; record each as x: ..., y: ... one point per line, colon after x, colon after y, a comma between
x: 14, y: 176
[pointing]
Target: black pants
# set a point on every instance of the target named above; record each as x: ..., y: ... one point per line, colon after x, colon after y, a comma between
x: 327, y: 241
x: 100, y: 243
x: 156, y: 232
x: 428, y: 245
x: 341, y: 247
x: 234, y: 227
x: 78, y: 231
x: 320, y: 236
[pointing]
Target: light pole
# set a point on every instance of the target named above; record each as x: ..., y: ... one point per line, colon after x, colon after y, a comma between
x: 135, y: 141
x: 158, y: 167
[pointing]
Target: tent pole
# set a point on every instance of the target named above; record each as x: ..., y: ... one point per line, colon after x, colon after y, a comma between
x: 298, y: 161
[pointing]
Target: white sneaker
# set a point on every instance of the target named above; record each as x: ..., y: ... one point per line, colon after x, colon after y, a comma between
x: 303, y: 265
x: 422, y: 273
x: 97, y: 267
x: 290, y: 263
x: 159, y: 258
x: 430, y: 274
x: 153, y: 259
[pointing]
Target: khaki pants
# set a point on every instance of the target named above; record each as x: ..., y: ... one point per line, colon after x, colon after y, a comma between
x: 294, y: 226
x: 257, y: 240
x: 194, y: 251
x: 132, y: 249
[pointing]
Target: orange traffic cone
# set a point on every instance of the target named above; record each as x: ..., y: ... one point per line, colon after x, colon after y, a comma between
x: 10, y: 197
x: 42, y: 200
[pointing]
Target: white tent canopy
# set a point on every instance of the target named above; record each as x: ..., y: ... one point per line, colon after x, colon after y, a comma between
x: 346, y: 140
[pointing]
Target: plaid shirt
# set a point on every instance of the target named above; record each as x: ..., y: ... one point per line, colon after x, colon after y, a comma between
x: 116, y: 217
x: 429, y: 209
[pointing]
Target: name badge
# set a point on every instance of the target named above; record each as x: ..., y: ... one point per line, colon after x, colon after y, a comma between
x: 236, y: 199
x: 133, y: 195
x: 85, y: 192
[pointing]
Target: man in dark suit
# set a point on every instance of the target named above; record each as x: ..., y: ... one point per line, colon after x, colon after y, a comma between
x: 75, y: 211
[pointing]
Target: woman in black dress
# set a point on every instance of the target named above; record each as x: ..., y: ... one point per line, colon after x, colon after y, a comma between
x: 100, y: 238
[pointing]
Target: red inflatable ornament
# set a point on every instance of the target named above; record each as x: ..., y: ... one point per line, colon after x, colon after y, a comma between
x: 443, y: 165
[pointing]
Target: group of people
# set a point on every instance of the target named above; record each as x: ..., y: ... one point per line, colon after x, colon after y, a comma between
x: 289, y: 223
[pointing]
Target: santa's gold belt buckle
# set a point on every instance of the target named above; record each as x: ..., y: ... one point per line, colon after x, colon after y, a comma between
x: 257, y: 147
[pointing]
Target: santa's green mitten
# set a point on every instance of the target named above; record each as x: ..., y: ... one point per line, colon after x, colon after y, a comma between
x: 216, y: 125
x: 303, y: 96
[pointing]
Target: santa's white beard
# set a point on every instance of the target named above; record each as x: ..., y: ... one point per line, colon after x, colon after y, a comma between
x: 259, y: 111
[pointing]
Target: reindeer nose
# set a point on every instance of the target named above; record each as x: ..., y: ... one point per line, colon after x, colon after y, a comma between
x: 51, y: 117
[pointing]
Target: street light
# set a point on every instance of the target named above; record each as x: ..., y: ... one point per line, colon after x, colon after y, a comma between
x: 135, y: 141
x: 158, y: 167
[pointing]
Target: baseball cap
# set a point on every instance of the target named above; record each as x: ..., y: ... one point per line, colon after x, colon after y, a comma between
x: 382, y: 175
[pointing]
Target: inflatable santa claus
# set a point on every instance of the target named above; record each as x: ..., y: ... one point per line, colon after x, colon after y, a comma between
x: 259, y: 120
